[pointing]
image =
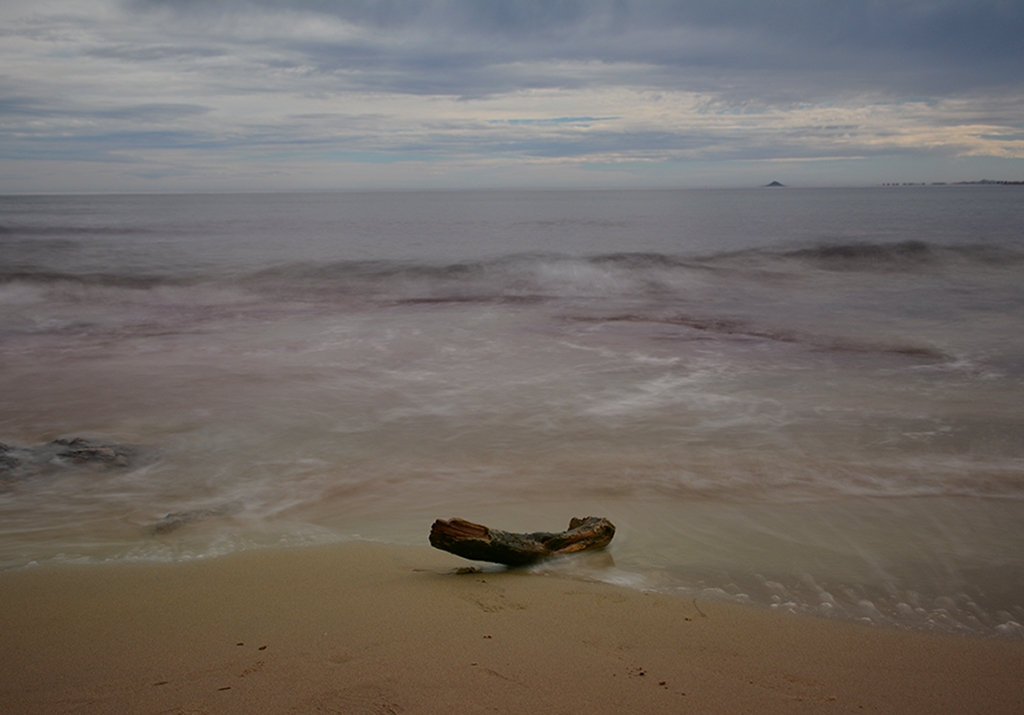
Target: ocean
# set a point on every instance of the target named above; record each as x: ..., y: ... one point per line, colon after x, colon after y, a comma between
x: 807, y: 400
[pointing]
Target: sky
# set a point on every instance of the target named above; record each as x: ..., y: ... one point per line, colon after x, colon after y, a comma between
x: 268, y: 95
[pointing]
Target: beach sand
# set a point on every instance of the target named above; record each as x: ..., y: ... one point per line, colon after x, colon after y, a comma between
x: 369, y: 628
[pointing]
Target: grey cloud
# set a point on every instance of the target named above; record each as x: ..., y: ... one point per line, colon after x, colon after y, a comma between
x: 153, y: 112
x: 306, y: 78
x: 510, y: 17
x: 118, y: 146
x: 21, y: 106
x: 982, y: 28
x: 35, y: 107
x: 49, y: 128
x: 151, y: 53
x: 795, y: 50
x: 101, y: 147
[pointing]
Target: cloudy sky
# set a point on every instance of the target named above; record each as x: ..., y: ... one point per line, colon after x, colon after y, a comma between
x: 206, y: 95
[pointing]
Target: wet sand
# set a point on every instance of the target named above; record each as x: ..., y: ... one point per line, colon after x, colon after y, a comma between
x: 367, y: 628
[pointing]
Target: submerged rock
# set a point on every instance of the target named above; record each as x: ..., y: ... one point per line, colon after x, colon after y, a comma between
x: 80, y: 451
x: 177, y: 519
x: 18, y: 463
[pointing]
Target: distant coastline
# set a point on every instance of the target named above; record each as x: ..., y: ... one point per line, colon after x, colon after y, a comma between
x: 983, y: 182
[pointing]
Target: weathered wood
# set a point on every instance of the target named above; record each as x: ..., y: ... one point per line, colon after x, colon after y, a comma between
x: 480, y: 543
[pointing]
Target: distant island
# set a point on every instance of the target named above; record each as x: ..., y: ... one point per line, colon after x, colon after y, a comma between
x: 775, y: 183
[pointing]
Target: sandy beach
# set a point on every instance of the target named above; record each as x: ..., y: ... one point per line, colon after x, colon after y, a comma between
x: 367, y: 628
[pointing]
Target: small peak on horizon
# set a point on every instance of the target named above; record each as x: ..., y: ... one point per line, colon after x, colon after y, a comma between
x: 775, y: 183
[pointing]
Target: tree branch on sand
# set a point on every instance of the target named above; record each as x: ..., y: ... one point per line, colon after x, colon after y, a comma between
x: 480, y: 543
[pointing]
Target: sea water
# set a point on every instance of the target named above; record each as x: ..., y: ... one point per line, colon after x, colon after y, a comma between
x: 809, y: 400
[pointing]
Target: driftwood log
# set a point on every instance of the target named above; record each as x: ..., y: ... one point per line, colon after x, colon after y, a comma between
x: 480, y: 543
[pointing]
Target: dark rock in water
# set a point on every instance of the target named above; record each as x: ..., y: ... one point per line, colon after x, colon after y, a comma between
x: 177, y: 519
x: 7, y: 460
x: 11, y: 470
x: 12, y: 460
x: 80, y: 451
x: 18, y: 463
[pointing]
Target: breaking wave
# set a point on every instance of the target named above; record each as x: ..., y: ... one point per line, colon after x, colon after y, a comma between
x: 545, y: 275
x: 904, y: 255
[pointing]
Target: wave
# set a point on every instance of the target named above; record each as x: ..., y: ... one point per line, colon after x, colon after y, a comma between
x: 107, y: 280
x: 902, y: 255
x: 742, y: 329
x: 35, y: 231
x: 527, y: 278
x: 698, y: 299
x: 517, y: 278
x: 629, y: 275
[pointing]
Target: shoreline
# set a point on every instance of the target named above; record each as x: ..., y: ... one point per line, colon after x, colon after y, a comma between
x: 365, y: 627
